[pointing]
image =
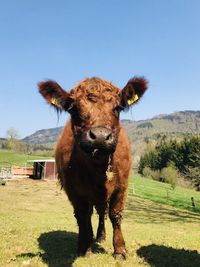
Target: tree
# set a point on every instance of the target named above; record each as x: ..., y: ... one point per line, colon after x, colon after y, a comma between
x: 12, y: 134
x: 183, y: 156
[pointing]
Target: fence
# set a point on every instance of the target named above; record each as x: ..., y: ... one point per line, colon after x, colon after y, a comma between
x: 179, y: 197
x: 14, y: 172
x: 5, y: 173
x: 18, y: 170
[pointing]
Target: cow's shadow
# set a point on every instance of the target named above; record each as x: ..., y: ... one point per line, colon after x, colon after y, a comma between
x: 59, y: 248
x: 162, y: 256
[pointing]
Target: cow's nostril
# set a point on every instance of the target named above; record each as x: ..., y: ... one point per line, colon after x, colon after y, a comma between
x: 109, y: 137
x: 100, y: 135
x: 92, y: 135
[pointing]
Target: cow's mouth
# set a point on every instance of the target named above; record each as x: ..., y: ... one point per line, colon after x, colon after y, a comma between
x: 98, y: 149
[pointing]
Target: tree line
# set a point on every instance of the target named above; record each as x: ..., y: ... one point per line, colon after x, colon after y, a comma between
x: 25, y: 148
x: 175, y: 156
x: 13, y: 143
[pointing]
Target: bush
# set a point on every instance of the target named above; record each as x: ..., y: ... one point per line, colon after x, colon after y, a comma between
x: 149, y: 173
x: 169, y: 175
x: 166, y: 175
x: 149, y: 159
x: 185, y: 156
x: 194, y: 175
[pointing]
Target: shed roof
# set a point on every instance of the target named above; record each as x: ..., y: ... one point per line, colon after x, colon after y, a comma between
x: 41, y: 160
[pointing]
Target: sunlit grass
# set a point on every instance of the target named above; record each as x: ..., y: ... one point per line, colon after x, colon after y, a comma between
x: 37, y: 228
x: 9, y: 158
x: 163, y: 193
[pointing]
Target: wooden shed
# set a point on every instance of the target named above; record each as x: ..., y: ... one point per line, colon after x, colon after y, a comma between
x: 44, y: 169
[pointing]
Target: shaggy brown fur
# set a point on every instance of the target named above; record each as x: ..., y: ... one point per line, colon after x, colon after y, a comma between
x: 93, y: 153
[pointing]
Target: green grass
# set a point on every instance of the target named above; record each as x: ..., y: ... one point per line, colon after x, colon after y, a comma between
x: 163, y: 193
x: 9, y: 158
x: 37, y: 229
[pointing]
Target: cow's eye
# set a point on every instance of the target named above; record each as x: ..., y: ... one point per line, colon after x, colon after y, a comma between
x: 117, y: 110
x: 75, y: 114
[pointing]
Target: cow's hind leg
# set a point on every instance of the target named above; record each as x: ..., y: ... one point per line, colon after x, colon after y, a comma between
x: 83, y: 212
x: 115, y: 213
x: 101, y: 233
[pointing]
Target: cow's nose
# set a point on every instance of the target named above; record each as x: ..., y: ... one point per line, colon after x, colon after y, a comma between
x: 100, y: 135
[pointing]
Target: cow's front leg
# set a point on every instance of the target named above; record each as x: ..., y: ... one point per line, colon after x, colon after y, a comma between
x: 101, y: 233
x: 83, y: 211
x: 115, y: 213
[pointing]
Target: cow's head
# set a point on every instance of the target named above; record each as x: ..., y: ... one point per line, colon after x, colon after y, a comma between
x: 94, y: 106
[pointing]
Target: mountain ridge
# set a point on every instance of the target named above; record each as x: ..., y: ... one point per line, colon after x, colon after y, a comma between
x: 179, y: 122
x: 174, y: 125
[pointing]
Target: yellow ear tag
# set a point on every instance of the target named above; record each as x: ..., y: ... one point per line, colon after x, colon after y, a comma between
x: 55, y: 102
x: 134, y: 99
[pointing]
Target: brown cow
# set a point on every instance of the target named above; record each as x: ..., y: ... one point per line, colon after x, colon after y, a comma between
x: 93, y: 153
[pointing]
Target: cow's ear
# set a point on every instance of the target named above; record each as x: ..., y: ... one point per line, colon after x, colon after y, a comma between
x: 133, y: 91
x: 55, y: 95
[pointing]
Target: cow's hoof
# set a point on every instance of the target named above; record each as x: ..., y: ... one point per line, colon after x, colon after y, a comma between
x: 88, y: 252
x: 84, y: 253
x: 100, y: 239
x: 120, y: 256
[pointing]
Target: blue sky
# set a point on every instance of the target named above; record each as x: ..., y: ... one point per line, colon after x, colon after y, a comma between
x: 68, y: 40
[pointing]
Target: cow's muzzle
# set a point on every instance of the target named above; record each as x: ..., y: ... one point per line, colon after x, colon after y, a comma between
x: 99, y: 140
x: 100, y: 135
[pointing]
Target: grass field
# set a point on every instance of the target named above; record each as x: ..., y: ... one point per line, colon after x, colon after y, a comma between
x: 37, y: 228
x: 158, y: 192
x: 164, y: 194
x: 8, y: 158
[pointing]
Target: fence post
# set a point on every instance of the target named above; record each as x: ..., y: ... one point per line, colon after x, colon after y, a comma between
x: 193, y: 203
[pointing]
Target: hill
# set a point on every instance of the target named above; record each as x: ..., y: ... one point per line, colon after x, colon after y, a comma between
x: 44, y: 136
x: 173, y: 125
